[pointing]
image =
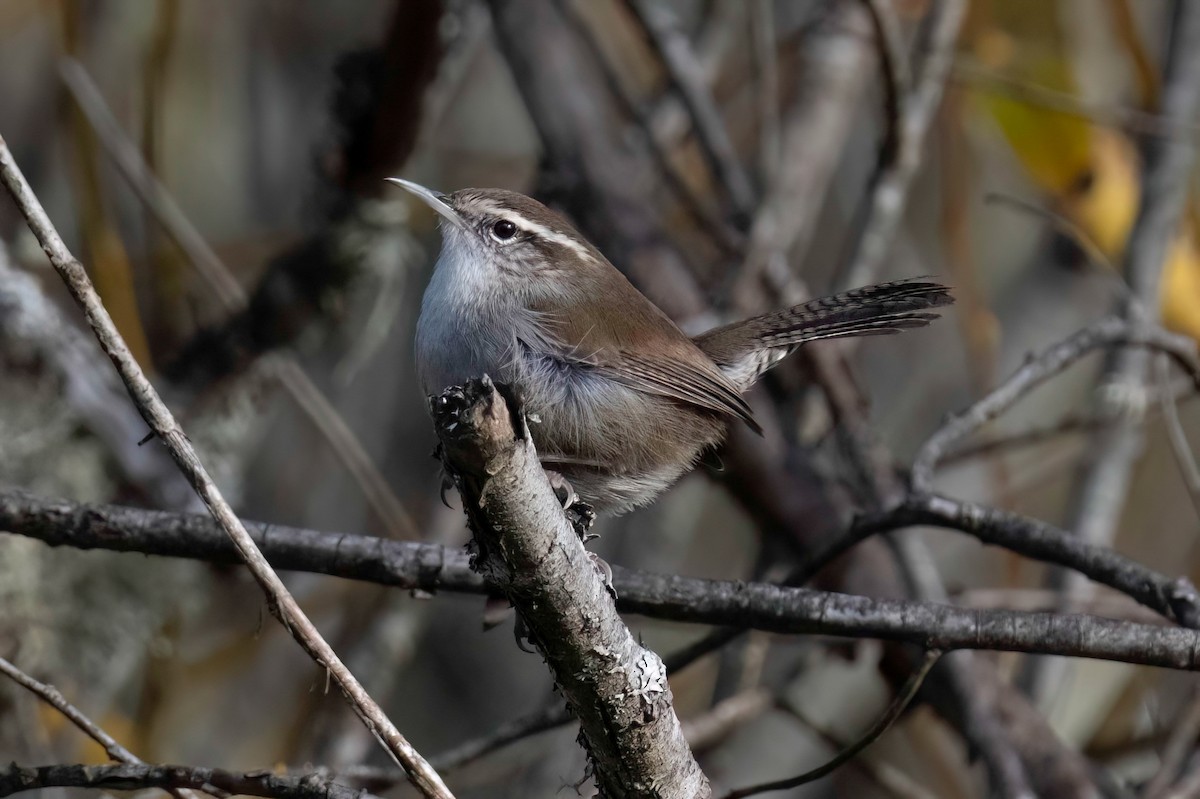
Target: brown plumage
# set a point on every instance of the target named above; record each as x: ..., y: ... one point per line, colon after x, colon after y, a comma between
x: 625, y: 401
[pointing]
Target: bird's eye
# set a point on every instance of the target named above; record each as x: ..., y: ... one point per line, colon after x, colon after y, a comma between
x: 504, y: 230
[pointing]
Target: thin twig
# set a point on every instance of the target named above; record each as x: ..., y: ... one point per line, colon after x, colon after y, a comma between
x: 1070, y: 424
x: 901, y: 701
x: 311, y: 400
x: 1180, y: 448
x: 1175, y: 752
x: 162, y: 422
x: 53, y: 697
x: 1035, y: 371
x: 766, y: 62
x: 977, y: 78
x: 722, y: 232
x: 723, y: 718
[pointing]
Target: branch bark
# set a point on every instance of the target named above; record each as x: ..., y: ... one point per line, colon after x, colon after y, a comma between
x: 133, y: 777
x: 737, y: 604
x: 524, y: 544
x: 160, y: 419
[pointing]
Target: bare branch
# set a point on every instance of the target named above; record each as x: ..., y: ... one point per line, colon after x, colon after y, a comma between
x: 1175, y: 599
x: 163, y: 423
x: 1107, y: 332
x: 132, y: 777
x: 525, y: 545
x: 53, y: 697
x: 735, y: 604
x: 1180, y: 448
x: 893, y: 63
x: 1105, y: 470
x: 898, y: 705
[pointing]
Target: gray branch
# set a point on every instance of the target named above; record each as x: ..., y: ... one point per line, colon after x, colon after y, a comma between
x: 133, y: 777
x: 1107, y: 332
x: 525, y: 545
x: 427, y: 567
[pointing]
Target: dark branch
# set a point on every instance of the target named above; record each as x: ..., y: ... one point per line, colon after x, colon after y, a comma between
x: 131, y: 777
x: 736, y: 604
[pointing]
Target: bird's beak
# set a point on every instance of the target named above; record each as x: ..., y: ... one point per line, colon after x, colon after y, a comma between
x: 435, y: 200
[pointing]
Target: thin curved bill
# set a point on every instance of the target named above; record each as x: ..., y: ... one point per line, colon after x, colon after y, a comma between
x: 435, y: 200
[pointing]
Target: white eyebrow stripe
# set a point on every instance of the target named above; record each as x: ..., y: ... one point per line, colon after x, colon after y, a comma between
x: 533, y: 228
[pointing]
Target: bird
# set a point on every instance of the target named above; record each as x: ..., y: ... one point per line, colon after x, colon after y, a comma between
x: 623, y: 402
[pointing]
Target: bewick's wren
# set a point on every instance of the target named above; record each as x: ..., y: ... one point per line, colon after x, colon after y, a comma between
x: 627, y: 402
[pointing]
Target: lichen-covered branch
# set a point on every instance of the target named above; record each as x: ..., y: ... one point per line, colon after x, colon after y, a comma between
x: 525, y: 545
x: 135, y: 777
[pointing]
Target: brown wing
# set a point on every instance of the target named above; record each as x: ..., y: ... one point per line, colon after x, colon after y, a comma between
x: 704, y: 387
x: 627, y: 338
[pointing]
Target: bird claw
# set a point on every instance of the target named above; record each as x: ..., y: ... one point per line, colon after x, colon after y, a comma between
x: 562, y: 489
x: 523, y: 638
x: 581, y: 515
x: 605, y: 571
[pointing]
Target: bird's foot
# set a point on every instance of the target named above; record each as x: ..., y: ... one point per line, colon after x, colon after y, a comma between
x: 523, y: 636
x: 605, y: 571
x: 581, y: 515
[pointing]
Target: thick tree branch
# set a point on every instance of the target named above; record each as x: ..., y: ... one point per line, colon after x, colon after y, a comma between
x: 525, y: 546
x: 162, y: 422
x: 133, y: 777
x: 1174, y: 598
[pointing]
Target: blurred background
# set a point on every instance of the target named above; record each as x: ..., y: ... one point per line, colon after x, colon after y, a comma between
x: 218, y: 167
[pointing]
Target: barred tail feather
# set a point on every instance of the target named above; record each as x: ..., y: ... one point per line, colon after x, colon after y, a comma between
x: 744, y: 350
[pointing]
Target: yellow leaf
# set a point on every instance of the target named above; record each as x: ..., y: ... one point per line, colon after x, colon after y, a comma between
x: 1105, y: 204
x: 1180, y: 293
